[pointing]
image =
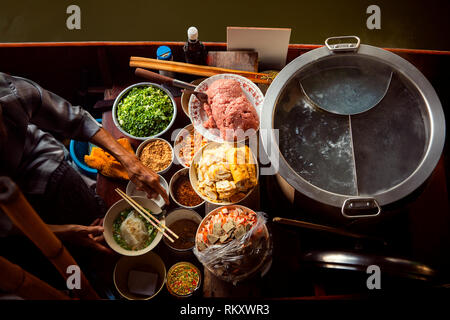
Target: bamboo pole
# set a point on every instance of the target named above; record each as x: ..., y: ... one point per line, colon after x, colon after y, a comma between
x: 14, y: 204
x: 15, y: 280
x: 198, y: 70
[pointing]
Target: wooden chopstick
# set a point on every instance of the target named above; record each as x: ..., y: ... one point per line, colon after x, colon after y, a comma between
x: 145, y: 214
x: 198, y: 70
x: 145, y: 211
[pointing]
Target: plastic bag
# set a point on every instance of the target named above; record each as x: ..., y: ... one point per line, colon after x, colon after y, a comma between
x: 241, y: 257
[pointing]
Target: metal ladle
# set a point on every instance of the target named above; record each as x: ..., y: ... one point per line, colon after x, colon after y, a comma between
x: 349, y: 87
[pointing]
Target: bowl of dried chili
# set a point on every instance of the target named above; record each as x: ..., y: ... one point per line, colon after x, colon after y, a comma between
x: 183, y: 279
x: 182, y: 192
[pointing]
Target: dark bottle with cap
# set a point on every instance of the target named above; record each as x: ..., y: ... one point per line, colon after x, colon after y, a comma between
x: 194, y: 50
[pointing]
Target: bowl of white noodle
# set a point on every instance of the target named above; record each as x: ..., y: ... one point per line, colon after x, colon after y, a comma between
x: 127, y: 232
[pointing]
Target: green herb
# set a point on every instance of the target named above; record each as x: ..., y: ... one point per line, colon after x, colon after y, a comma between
x: 152, y: 231
x: 145, y: 111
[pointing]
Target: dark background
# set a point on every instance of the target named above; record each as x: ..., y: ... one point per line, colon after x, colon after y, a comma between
x: 404, y: 24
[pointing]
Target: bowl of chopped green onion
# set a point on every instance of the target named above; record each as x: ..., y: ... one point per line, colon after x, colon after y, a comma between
x: 144, y: 110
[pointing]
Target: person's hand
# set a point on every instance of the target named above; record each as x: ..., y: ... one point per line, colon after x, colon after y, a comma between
x: 145, y: 179
x: 87, y: 236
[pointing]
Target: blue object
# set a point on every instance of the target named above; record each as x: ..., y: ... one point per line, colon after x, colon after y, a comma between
x: 78, y: 149
x: 164, y: 53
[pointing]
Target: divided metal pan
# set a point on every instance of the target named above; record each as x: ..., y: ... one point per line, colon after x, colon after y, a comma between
x: 356, y: 127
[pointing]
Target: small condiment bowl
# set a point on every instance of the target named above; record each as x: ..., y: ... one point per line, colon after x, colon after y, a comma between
x: 113, y: 213
x: 149, y: 262
x: 185, y: 96
x: 144, y: 143
x: 132, y: 191
x: 182, y: 134
x: 170, y: 274
x: 182, y: 214
x: 173, y: 180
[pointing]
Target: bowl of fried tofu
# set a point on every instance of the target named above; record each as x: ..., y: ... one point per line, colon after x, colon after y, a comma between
x: 224, y: 173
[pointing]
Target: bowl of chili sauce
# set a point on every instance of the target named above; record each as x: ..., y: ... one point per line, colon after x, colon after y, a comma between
x: 182, y: 192
x: 183, y: 279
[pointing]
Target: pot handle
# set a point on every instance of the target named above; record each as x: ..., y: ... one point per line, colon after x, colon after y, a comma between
x: 368, y: 206
x: 337, y: 44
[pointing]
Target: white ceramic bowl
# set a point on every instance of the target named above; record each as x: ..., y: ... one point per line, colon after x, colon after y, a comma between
x: 132, y: 191
x: 114, y: 212
x: 198, y: 115
x: 144, y: 143
x: 194, y: 179
x: 143, y: 84
x: 149, y: 262
x: 181, y: 214
x: 186, y: 96
x: 175, y: 177
x: 182, y: 134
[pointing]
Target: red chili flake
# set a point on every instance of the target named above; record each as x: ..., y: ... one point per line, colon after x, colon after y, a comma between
x: 183, y: 279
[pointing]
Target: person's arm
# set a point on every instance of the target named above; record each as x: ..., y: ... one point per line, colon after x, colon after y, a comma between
x: 143, y: 177
x: 50, y: 112
x: 87, y: 236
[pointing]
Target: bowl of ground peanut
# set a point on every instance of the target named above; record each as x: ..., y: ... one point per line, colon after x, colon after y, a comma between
x: 156, y: 153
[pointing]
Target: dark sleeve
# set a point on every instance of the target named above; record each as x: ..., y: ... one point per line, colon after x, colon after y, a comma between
x: 5, y: 225
x: 52, y: 113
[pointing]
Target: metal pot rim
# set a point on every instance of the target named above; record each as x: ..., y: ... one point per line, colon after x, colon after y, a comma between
x: 401, y: 190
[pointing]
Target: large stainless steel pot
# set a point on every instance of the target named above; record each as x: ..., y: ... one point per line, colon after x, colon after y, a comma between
x: 357, y: 127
